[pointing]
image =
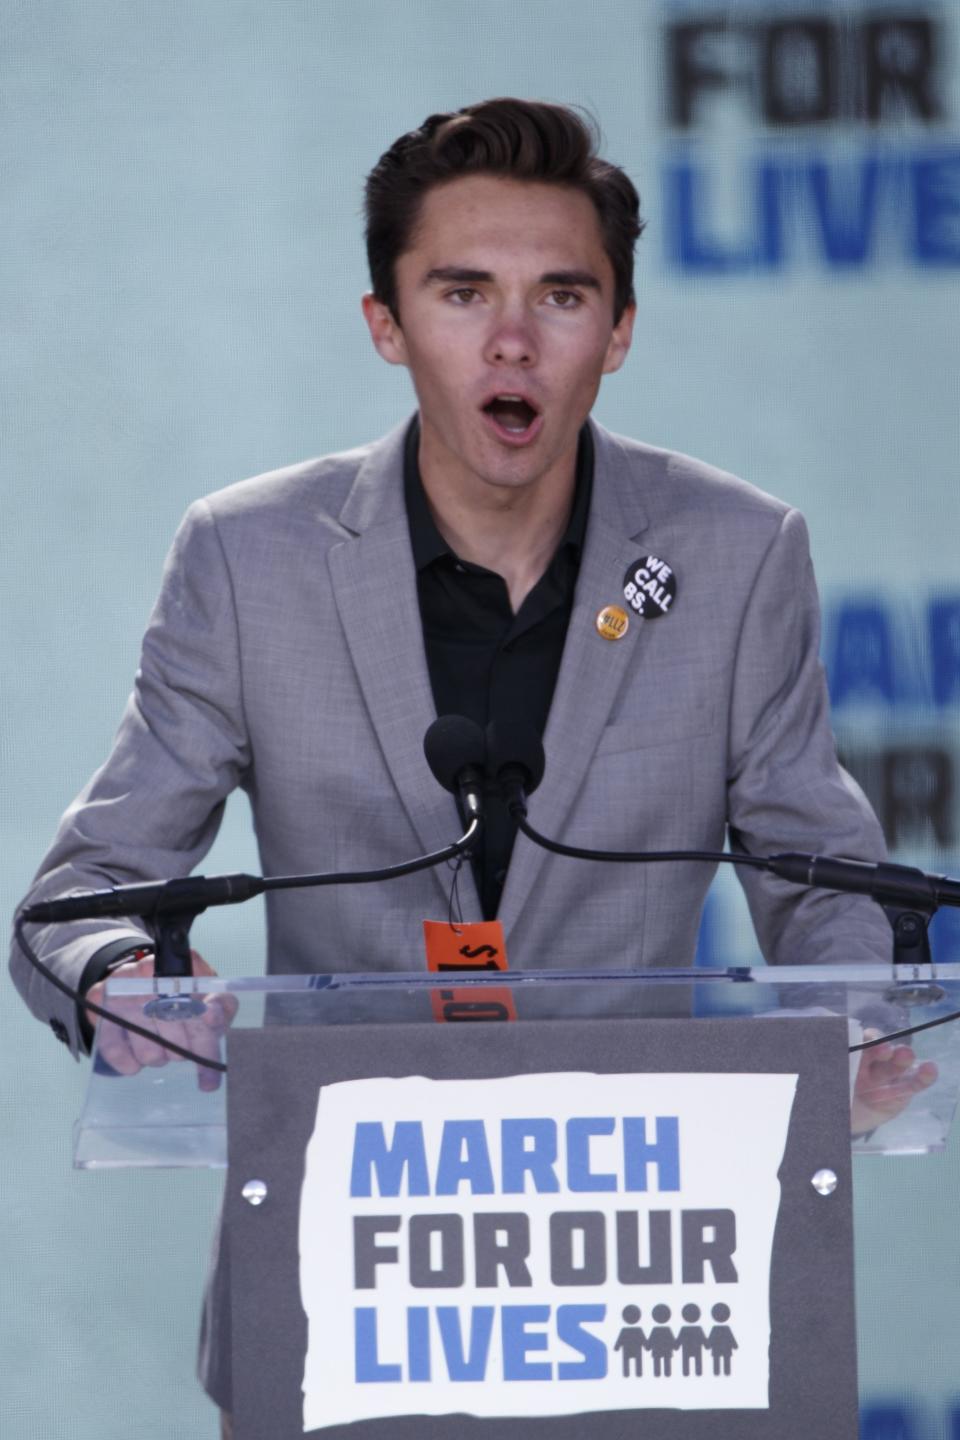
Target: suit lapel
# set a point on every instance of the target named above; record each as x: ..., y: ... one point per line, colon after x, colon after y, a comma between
x: 592, y: 669
x: 375, y: 590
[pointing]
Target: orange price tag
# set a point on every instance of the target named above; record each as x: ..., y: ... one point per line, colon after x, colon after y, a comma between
x: 472, y: 947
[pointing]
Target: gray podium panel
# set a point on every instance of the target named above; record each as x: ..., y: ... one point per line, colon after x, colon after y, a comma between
x: 276, y: 1076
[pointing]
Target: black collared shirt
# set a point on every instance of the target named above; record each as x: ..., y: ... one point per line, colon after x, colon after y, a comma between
x: 484, y: 661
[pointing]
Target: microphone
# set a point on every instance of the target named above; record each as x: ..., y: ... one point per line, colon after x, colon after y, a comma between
x: 456, y: 753
x: 148, y: 898
x: 516, y: 761
x: 888, y: 883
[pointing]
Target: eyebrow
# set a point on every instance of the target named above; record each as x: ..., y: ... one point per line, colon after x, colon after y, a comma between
x: 581, y: 278
x: 458, y: 274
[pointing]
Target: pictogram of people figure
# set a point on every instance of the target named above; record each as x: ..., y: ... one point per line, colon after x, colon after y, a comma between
x: 720, y: 1342
x: 691, y: 1340
x: 631, y: 1341
x: 661, y: 1342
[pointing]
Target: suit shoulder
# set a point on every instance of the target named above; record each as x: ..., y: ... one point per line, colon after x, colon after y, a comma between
x: 673, y: 482
x: 311, y: 491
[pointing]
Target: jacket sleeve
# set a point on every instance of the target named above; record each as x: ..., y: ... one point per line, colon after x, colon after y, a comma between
x: 786, y: 789
x: 153, y: 809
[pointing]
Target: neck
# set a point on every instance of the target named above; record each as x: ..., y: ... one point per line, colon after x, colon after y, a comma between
x: 511, y: 531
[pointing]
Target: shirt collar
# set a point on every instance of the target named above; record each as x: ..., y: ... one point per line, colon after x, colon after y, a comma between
x: 429, y: 545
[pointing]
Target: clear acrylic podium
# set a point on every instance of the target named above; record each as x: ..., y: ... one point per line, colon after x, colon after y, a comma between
x: 297, y: 1038
x: 162, y: 1118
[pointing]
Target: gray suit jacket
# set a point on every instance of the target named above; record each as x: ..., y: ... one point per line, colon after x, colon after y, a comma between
x: 285, y: 655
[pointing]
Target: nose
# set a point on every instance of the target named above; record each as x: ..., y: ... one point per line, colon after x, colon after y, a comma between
x: 511, y: 341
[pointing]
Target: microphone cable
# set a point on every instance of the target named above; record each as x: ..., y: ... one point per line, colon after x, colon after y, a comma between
x: 272, y: 882
x: 517, y: 761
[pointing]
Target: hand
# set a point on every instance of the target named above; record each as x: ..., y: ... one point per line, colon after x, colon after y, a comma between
x: 128, y: 1053
x: 887, y: 1081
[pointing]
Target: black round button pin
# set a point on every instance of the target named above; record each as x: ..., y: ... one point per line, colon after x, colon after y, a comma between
x: 650, y: 587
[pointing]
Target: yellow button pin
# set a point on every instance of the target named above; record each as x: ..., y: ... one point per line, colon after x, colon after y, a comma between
x: 613, y: 622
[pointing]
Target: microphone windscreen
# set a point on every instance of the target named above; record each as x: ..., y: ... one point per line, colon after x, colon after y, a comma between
x: 514, y: 743
x: 451, y: 744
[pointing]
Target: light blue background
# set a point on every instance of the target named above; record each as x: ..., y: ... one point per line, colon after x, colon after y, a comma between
x: 180, y: 273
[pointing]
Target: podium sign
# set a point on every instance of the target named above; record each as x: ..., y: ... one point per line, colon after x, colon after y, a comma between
x: 555, y: 1229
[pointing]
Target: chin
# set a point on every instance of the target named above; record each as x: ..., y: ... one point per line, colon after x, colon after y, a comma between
x: 512, y: 474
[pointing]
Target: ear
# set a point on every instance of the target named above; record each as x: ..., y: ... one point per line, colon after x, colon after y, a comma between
x: 384, y: 330
x: 619, y: 347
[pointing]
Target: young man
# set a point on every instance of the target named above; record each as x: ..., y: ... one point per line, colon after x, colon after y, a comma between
x: 313, y: 622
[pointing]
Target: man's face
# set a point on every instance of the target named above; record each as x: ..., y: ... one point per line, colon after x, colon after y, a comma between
x: 505, y: 303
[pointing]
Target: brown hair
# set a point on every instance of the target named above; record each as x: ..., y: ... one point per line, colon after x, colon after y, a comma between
x: 516, y: 139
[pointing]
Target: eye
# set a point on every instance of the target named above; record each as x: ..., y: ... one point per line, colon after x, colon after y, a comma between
x: 565, y: 299
x: 463, y: 295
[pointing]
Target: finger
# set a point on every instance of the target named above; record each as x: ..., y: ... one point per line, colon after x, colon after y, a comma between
x: 147, y: 1052
x: 205, y: 1043
x: 891, y: 1097
x: 154, y: 1051
x: 920, y: 1079
x: 220, y: 1012
x: 900, y: 1069
x: 229, y: 1004
x: 173, y: 1032
x: 112, y: 1043
x: 886, y: 1084
x: 888, y: 1061
x: 112, y: 1047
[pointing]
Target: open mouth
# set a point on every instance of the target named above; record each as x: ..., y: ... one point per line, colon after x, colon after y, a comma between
x: 511, y: 414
